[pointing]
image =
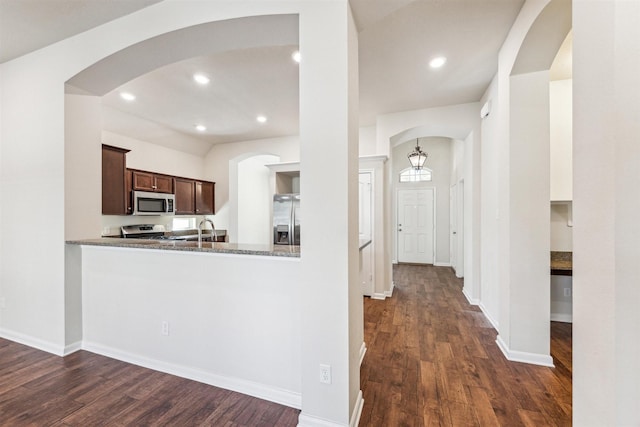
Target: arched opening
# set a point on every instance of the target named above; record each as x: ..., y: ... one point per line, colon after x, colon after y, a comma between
x: 524, y: 313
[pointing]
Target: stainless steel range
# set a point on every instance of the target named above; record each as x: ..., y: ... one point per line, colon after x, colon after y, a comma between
x: 144, y: 231
x: 158, y: 232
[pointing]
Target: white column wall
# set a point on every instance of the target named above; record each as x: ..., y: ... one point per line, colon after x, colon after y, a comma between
x: 529, y: 235
x: 606, y: 117
x: 32, y: 181
x: 498, y: 257
x: 82, y: 147
x: 329, y: 254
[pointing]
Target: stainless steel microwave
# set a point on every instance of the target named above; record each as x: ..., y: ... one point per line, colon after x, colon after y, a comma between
x: 147, y: 203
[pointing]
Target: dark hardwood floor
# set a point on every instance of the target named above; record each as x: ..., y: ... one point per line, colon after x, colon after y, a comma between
x: 85, y: 389
x: 432, y: 360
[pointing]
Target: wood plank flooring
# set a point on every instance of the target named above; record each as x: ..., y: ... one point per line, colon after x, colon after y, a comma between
x: 432, y: 360
x: 85, y: 389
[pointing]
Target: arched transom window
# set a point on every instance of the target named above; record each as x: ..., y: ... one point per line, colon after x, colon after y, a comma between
x: 413, y: 175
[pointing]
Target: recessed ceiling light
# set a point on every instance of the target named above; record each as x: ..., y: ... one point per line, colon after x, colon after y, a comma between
x: 296, y: 56
x: 201, y: 128
x: 261, y: 119
x: 201, y: 79
x: 127, y: 96
x: 437, y: 62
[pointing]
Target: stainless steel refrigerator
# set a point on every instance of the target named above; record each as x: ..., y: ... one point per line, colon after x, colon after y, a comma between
x: 286, y: 219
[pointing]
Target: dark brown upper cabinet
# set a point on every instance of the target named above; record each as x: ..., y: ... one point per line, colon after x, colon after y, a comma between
x: 153, y: 182
x: 116, y: 188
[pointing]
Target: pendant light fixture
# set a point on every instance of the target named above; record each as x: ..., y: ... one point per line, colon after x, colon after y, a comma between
x: 417, y: 157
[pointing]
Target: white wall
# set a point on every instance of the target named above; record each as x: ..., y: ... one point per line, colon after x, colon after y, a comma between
x: 439, y: 161
x: 235, y: 331
x: 221, y: 165
x: 560, y: 99
x: 83, y: 197
x: 32, y: 89
x: 254, y: 201
x: 33, y: 155
x: 561, y: 232
x: 606, y: 125
x: 155, y: 158
x: 528, y: 309
x: 367, y: 141
x: 490, y: 209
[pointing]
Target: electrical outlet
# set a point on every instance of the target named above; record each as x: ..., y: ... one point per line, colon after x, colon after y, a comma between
x: 165, y: 328
x: 567, y: 292
x: 325, y: 374
x: 2, y: 303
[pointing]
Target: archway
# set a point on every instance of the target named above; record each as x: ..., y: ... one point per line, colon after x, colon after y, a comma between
x: 522, y: 202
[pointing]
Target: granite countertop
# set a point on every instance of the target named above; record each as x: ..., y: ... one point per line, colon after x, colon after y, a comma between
x: 561, y: 263
x: 190, y: 246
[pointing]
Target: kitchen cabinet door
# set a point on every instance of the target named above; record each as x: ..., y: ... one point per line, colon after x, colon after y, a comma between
x: 115, y: 191
x: 185, y: 196
x: 148, y: 181
x: 163, y: 183
x: 205, y: 197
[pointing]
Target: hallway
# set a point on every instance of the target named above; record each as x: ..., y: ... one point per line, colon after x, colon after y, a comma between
x: 432, y: 360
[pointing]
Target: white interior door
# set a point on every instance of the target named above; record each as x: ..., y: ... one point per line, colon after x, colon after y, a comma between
x: 416, y: 224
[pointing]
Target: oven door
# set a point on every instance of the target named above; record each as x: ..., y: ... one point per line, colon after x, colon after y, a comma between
x: 146, y: 203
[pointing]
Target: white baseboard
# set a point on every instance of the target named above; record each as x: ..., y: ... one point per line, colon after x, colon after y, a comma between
x: 305, y: 420
x: 562, y: 317
x: 471, y: 301
x: 524, y: 357
x: 72, y: 348
x: 442, y: 264
x: 385, y: 294
x: 389, y: 293
x: 311, y: 421
x: 363, y: 351
x: 30, y: 341
x: 357, y: 411
x: 261, y: 391
x: 491, y: 320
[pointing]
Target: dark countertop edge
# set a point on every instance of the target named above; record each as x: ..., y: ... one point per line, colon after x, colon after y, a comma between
x: 561, y: 263
x: 169, y: 247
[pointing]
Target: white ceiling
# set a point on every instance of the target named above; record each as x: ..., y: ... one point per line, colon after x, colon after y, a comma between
x: 397, y: 38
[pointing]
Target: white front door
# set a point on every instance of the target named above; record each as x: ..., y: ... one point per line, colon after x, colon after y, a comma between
x: 416, y: 226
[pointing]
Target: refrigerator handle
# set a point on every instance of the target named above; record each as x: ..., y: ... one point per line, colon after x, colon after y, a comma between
x: 292, y: 225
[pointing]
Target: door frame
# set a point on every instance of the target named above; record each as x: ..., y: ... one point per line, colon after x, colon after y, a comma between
x: 435, y: 218
x: 372, y: 218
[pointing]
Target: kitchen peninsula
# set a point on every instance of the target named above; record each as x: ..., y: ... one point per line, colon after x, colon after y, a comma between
x: 223, y: 314
x: 193, y: 246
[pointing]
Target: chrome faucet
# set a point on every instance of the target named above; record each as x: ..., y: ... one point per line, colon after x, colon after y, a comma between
x: 213, y: 231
